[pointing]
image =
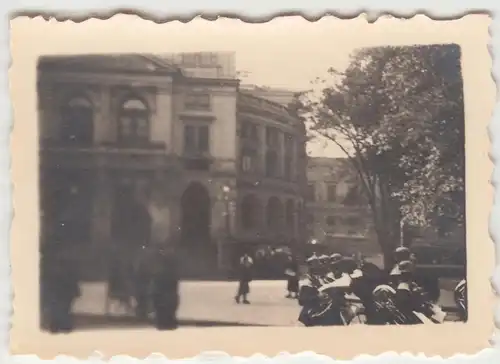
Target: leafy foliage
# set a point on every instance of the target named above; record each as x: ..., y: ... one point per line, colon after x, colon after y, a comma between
x: 397, y: 113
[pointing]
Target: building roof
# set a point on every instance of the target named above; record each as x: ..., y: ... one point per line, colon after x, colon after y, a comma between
x: 327, y: 161
x: 265, y: 107
x: 277, y: 95
x: 141, y: 63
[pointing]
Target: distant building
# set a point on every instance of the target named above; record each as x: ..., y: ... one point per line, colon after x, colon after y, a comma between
x: 142, y: 149
x: 338, y: 216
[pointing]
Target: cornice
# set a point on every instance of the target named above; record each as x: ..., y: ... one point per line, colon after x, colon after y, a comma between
x: 191, y: 115
x: 269, y: 122
x: 107, y: 79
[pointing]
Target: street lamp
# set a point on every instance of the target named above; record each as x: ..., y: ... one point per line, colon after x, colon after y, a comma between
x: 401, y: 232
x: 225, y: 190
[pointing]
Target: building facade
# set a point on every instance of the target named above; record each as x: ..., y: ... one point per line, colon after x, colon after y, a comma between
x: 338, y: 216
x: 138, y: 150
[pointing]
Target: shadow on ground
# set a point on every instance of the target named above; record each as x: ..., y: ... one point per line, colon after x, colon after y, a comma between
x: 92, y: 322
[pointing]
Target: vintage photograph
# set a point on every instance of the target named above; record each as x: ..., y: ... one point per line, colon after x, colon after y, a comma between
x: 251, y: 188
x: 174, y: 192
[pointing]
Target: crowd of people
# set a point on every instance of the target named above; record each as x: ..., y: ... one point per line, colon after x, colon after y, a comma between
x: 334, y: 290
x: 151, y: 286
x: 340, y: 290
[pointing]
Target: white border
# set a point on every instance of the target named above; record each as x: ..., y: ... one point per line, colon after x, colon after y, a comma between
x: 312, y: 9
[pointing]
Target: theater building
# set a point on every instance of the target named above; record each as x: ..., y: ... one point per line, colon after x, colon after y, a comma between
x: 138, y: 150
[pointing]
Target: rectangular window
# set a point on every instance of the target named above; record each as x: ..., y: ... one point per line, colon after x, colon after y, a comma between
x: 197, y: 101
x: 331, y: 192
x: 203, y: 139
x: 311, y: 192
x: 272, y: 138
x: 310, y: 219
x: 248, y: 160
x: 331, y: 221
x: 196, y: 139
x: 249, y: 131
x: 289, y: 141
x: 189, y: 138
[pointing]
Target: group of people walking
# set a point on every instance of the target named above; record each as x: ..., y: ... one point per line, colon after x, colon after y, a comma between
x: 339, y: 290
x: 149, y: 287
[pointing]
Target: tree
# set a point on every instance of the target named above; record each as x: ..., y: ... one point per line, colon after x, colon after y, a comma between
x: 397, y: 114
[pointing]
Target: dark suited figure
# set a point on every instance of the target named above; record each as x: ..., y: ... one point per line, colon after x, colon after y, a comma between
x: 245, y: 277
x: 292, y: 273
x: 165, y: 290
x: 142, y: 280
x: 60, y: 288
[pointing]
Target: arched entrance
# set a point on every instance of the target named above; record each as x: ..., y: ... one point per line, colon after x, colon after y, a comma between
x: 195, y: 216
x: 131, y: 220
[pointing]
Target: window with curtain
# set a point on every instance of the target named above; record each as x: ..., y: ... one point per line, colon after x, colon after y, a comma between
x: 77, y: 125
x: 196, y: 139
x: 133, y: 125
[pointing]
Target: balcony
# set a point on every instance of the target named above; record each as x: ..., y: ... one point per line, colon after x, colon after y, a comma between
x: 107, y: 157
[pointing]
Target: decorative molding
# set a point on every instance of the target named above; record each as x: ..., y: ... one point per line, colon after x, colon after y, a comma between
x: 261, y: 120
x: 191, y: 116
x: 110, y: 79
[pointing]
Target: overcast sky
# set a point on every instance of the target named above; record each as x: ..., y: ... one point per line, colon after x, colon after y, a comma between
x: 286, y: 52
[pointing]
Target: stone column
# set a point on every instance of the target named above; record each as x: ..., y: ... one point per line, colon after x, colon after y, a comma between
x: 103, y: 120
x: 261, y: 153
x: 101, y: 223
x: 161, y: 121
x: 281, y: 153
x: 102, y: 208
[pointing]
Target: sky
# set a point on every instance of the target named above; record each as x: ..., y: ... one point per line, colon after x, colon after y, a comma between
x: 285, y: 52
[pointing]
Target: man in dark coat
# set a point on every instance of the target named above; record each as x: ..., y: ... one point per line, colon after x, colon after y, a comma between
x: 165, y: 289
x: 59, y: 281
x: 245, y: 277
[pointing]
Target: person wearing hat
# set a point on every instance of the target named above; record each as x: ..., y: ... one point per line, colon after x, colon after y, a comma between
x: 245, y: 277
x: 401, y: 254
x: 316, y: 306
x: 333, y: 261
x: 165, y: 288
x: 410, y: 298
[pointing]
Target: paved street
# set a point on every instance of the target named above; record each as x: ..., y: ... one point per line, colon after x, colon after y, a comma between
x: 212, y: 303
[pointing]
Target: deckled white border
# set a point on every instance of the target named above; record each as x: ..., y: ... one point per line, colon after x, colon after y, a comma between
x: 310, y: 8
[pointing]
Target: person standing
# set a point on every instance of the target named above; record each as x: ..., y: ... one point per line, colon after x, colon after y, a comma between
x: 61, y: 287
x: 292, y: 273
x: 318, y: 308
x: 245, y: 277
x: 165, y: 290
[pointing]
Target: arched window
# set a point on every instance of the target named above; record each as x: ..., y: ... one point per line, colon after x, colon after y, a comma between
x: 250, y: 212
x: 274, y: 213
x: 133, y: 124
x: 290, y: 214
x: 77, y: 121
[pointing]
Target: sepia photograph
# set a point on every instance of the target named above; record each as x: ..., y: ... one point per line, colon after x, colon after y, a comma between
x: 204, y: 187
x: 172, y: 192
